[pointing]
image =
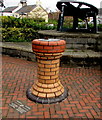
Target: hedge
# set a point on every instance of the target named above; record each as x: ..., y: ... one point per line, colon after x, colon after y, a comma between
x: 36, y: 24
x: 23, y: 30
x: 100, y: 27
x: 19, y: 34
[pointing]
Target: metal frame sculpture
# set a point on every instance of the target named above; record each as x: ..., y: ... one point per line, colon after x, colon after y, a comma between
x: 1, y: 6
x: 68, y: 9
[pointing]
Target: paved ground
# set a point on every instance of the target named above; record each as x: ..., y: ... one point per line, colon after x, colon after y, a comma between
x: 83, y: 85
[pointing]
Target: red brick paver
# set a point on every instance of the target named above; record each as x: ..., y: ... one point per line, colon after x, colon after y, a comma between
x: 83, y: 84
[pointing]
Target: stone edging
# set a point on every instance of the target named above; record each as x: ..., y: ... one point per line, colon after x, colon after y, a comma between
x: 19, y: 53
x: 66, y: 58
x: 54, y: 33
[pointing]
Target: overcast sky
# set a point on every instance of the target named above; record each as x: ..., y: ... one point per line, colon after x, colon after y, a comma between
x: 51, y: 4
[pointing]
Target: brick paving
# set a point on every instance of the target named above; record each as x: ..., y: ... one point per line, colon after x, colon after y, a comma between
x: 83, y: 101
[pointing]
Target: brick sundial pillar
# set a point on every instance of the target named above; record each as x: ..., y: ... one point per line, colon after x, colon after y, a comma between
x: 48, y: 88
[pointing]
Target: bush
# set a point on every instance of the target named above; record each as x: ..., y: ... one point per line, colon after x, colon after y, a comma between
x: 19, y: 34
x: 22, y: 30
x: 100, y: 27
x: 36, y: 24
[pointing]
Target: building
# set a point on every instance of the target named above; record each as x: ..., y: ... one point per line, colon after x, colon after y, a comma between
x: 9, y: 11
x: 29, y: 11
x: 99, y: 18
x: 54, y: 15
x: 100, y: 14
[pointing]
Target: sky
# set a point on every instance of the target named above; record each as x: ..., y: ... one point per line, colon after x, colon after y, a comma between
x: 50, y: 4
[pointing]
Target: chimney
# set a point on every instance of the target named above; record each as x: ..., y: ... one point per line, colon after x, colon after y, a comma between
x: 23, y: 2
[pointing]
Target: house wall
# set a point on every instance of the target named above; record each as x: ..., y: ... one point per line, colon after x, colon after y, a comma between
x: 16, y: 15
x: 38, y: 12
x: 7, y: 14
x: 12, y: 13
x: 54, y: 15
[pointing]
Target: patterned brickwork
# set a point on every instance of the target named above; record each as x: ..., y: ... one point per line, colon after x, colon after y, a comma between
x: 48, y: 57
x: 83, y: 102
x: 48, y: 47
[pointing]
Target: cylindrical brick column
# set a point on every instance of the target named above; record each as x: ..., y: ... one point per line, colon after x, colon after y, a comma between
x: 48, y: 88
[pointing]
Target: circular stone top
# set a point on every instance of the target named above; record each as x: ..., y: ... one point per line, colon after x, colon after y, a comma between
x: 49, y: 40
x: 48, y: 45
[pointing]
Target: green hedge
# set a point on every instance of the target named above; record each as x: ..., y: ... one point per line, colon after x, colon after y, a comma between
x: 19, y: 34
x: 21, y: 30
x: 100, y: 27
x: 36, y: 24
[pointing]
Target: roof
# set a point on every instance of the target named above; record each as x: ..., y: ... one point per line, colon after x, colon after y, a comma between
x: 26, y: 9
x: 10, y: 9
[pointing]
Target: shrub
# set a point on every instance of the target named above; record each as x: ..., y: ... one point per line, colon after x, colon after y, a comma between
x: 22, y: 30
x: 100, y: 27
x: 36, y: 24
x: 19, y: 34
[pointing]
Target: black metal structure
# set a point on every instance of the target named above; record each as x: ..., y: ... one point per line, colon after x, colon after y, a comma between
x: 1, y: 6
x: 2, y: 3
x: 75, y: 9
